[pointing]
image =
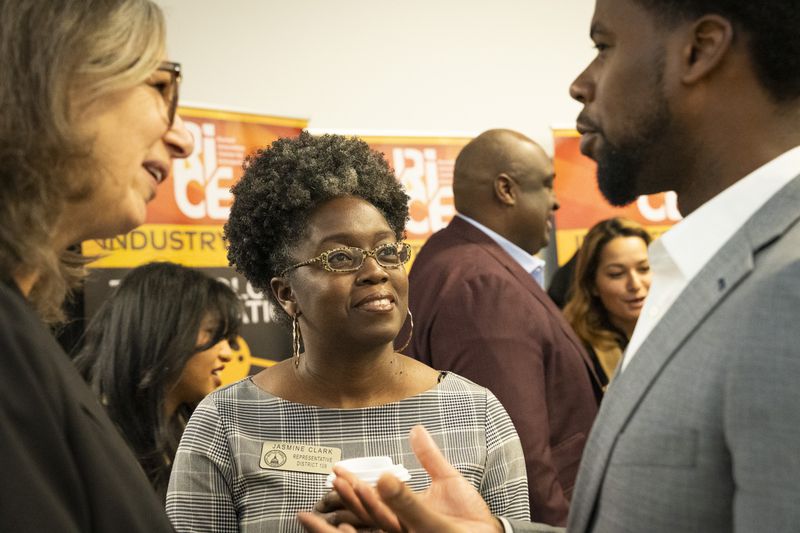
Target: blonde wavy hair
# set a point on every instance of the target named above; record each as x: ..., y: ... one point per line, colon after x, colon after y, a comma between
x: 584, y: 310
x: 55, y: 57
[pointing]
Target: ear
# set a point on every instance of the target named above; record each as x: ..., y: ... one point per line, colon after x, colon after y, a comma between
x: 505, y: 189
x: 282, y: 290
x: 711, y: 37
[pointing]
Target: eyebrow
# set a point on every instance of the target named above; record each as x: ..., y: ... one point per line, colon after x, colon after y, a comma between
x: 623, y: 265
x: 345, y: 237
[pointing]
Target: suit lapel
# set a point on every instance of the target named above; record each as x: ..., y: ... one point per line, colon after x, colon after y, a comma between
x: 711, y: 285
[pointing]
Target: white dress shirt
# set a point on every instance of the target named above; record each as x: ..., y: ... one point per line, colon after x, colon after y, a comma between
x: 533, y: 265
x: 679, y: 255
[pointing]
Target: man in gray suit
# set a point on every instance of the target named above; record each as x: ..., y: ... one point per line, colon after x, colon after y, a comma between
x: 700, y: 431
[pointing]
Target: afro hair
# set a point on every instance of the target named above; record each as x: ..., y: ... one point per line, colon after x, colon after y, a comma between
x: 284, y: 183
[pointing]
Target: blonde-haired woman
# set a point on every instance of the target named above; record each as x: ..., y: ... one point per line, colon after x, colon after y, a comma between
x: 87, y: 132
x: 611, y: 281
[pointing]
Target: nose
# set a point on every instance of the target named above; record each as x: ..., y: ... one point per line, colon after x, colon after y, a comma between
x: 556, y: 204
x: 581, y: 89
x: 179, y: 141
x: 225, y: 353
x: 634, y: 282
x: 371, y: 272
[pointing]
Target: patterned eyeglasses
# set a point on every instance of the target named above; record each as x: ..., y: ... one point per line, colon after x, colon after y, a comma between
x: 351, y: 258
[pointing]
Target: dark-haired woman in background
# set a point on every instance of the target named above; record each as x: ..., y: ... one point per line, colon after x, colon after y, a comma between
x: 317, y: 224
x: 611, y: 281
x: 154, y: 350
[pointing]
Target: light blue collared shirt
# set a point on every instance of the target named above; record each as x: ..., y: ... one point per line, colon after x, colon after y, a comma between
x: 530, y: 263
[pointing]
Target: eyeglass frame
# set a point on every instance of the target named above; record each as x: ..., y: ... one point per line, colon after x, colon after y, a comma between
x: 174, y: 69
x: 323, y: 257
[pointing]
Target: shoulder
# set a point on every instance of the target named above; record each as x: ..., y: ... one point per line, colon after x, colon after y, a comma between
x: 237, y: 395
x: 18, y: 322
x: 30, y: 352
x: 225, y: 407
x: 485, y: 407
x: 453, y: 243
x: 457, y: 386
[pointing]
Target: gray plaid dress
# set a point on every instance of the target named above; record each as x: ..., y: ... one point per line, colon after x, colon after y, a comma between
x: 218, y: 483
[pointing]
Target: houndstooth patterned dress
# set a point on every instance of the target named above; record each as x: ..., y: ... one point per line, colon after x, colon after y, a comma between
x: 219, y: 483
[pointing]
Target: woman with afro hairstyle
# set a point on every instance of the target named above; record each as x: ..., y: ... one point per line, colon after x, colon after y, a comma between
x: 317, y: 224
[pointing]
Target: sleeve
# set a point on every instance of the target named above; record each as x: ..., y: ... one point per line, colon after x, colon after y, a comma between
x: 761, y: 417
x: 504, y: 486
x: 480, y: 333
x: 200, y: 493
x: 523, y: 526
x: 39, y: 491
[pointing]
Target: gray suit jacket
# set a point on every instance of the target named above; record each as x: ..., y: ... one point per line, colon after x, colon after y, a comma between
x: 702, y: 430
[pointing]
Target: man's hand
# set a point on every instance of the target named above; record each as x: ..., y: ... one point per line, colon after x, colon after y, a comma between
x: 450, y: 505
x: 332, y: 510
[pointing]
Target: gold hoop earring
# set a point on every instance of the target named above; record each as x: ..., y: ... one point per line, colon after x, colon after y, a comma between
x: 297, y: 338
x: 410, y: 333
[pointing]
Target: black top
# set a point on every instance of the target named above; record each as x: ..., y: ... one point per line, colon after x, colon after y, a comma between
x: 63, y: 465
x: 560, y: 288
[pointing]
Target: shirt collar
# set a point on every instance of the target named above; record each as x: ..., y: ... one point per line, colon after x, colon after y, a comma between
x: 527, y: 261
x: 693, y: 242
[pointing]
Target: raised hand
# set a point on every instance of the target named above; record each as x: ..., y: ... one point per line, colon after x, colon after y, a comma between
x: 450, y: 505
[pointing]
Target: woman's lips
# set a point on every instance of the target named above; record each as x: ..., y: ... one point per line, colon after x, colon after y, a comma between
x: 379, y: 301
x: 380, y: 304
x: 215, y: 375
x: 637, y: 303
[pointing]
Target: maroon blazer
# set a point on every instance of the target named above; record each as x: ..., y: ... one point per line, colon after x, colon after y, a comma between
x: 479, y: 314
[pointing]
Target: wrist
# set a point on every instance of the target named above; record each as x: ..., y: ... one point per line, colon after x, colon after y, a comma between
x: 502, y: 525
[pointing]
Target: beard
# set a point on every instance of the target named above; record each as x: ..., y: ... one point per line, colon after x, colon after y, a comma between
x: 622, y: 175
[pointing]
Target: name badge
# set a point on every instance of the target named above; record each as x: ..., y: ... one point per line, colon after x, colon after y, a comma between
x: 298, y: 457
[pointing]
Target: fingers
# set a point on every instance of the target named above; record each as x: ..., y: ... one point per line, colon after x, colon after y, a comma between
x: 344, y: 484
x: 362, y: 502
x: 333, y: 509
x: 429, y: 455
x: 409, y: 508
x: 314, y: 524
x: 379, y: 513
x: 328, y: 503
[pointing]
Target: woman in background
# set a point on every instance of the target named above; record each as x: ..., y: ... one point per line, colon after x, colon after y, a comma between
x: 87, y: 132
x: 317, y: 224
x: 612, y: 279
x: 154, y: 350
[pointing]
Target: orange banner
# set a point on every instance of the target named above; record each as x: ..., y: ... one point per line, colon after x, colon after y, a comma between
x: 199, y: 187
x: 582, y: 204
x: 424, y: 165
x: 184, y: 223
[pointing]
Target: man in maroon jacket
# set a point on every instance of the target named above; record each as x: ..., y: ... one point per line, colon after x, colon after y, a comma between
x: 480, y: 311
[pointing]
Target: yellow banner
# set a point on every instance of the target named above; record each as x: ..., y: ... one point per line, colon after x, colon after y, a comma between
x: 187, y: 244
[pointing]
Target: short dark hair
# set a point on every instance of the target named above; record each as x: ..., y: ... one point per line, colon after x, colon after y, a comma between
x: 137, y: 345
x: 282, y: 185
x: 770, y: 27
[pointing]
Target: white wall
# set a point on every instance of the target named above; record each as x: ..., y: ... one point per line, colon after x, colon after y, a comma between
x: 379, y: 66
